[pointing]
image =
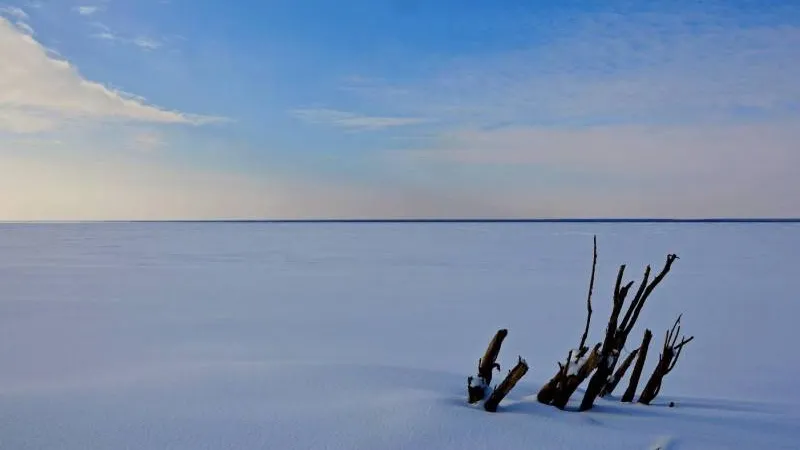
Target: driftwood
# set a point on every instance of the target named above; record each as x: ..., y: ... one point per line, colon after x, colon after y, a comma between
x: 564, y: 383
x: 500, y: 392
x: 617, y: 332
x: 633, y: 383
x: 486, y: 366
x: 582, y: 344
x: 572, y: 377
x: 669, y: 357
x: 612, y: 383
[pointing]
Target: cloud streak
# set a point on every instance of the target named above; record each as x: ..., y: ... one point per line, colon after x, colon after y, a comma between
x: 143, y: 42
x: 353, y: 121
x: 14, y: 12
x: 86, y: 10
x: 39, y: 92
x: 613, y: 67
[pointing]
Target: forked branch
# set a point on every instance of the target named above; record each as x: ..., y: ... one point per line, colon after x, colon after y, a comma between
x: 669, y: 357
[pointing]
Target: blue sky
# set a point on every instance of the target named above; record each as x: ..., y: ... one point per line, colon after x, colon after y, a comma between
x: 155, y: 109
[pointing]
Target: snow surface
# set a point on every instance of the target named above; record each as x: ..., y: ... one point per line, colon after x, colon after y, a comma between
x: 340, y: 336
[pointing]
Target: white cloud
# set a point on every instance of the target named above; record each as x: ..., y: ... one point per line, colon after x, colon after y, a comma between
x: 146, y: 43
x: 25, y: 28
x: 105, y: 35
x: 354, y: 121
x: 39, y: 92
x: 14, y: 12
x: 143, y: 42
x: 86, y: 10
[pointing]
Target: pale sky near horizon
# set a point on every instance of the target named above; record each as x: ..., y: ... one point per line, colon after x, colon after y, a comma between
x: 204, y: 109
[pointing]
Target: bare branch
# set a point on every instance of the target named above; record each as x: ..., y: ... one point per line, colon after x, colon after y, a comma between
x: 581, y: 346
x: 672, y: 336
x: 619, y: 282
x: 612, y: 383
x: 636, y: 300
x: 683, y: 342
x: 649, y: 289
x: 633, y: 383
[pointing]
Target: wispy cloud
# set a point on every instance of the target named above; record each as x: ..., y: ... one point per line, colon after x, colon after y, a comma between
x: 353, y: 121
x: 25, y: 28
x: 146, y: 43
x: 41, y: 92
x: 14, y: 12
x: 143, y: 42
x: 86, y: 10
x: 643, y: 151
x: 621, y: 68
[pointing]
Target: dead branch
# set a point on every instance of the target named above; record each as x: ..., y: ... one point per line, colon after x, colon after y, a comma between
x: 548, y: 391
x: 669, y: 357
x: 617, y: 333
x: 501, y: 391
x: 633, y: 383
x: 486, y: 366
x: 551, y: 389
x: 612, y: 383
x: 582, y: 344
x: 571, y: 379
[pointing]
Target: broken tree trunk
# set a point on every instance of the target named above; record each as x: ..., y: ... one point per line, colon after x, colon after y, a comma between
x: 612, y: 383
x: 486, y: 366
x: 573, y: 375
x: 669, y: 357
x: 556, y: 386
x: 500, y: 392
x: 617, y: 332
x: 633, y: 383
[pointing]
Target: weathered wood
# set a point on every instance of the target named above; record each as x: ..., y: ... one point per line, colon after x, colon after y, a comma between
x: 582, y: 344
x: 633, y: 383
x: 653, y: 385
x: 501, y: 391
x: 669, y: 357
x: 486, y: 366
x: 548, y: 392
x: 572, y: 379
x: 488, y: 363
x: 617, y: 333
x: 612, y: 384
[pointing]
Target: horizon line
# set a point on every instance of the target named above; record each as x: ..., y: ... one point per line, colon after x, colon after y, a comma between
x: 429, y: 220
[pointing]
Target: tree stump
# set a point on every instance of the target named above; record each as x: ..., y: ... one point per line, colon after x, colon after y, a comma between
x: 486, y: 366
x: 501, y: 391
x: 573, y: 378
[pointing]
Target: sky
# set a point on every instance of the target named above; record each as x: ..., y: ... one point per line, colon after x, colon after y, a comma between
x: 318, y: 109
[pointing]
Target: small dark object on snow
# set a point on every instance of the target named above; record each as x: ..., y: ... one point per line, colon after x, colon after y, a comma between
x: 671, y: 404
